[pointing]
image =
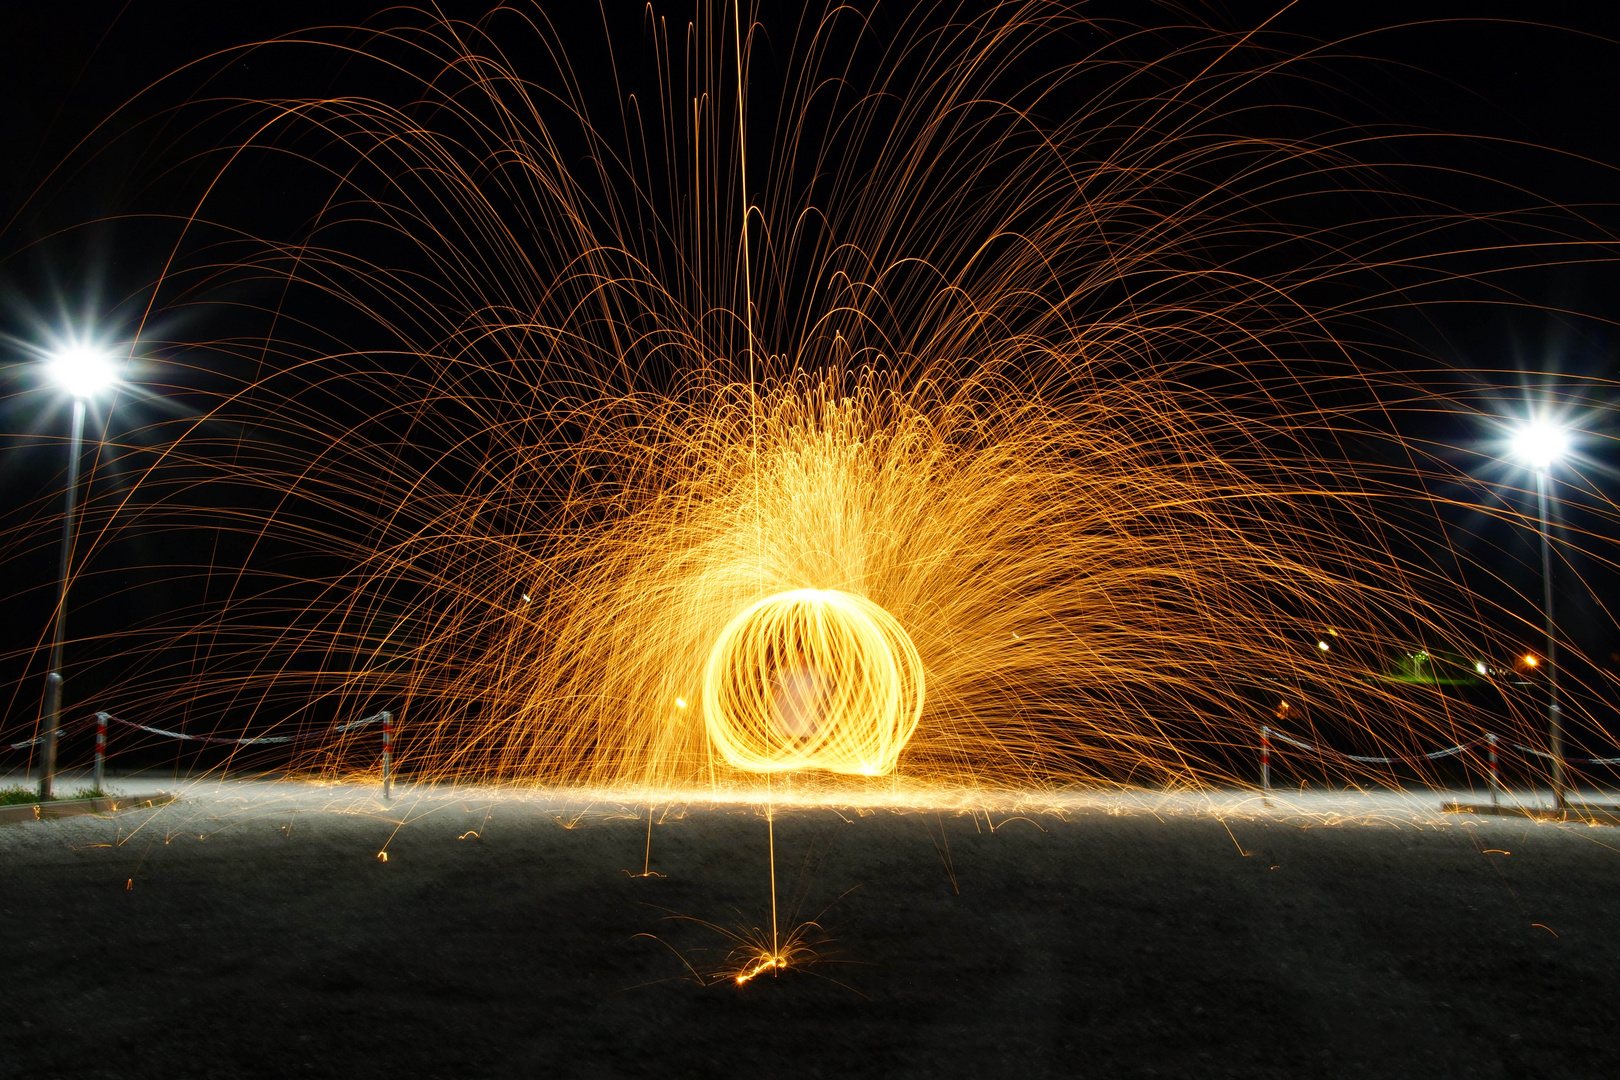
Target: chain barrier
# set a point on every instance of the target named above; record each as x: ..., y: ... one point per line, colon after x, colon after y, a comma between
x: 262, y: 740
x: 101, y: 720
x: 1490, y: 741
x: 1324, y: 751
x: 1571, y: 760
x: 70, y: 728
x: 65, y: 729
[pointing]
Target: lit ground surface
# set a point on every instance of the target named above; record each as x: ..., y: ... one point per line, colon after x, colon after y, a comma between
x: 252, y: 930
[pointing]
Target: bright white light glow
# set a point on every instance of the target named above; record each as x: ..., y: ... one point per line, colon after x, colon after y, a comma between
x: 1322, y: 645
x: 813, y: 679
x: 1540, y: 445
x: 1479, y: 666
x: 82, y: 370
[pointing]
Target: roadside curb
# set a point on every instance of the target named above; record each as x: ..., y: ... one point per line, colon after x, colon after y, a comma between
x: 61, y: 808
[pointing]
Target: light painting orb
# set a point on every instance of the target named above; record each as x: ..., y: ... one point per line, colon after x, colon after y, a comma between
x: 813, y: 679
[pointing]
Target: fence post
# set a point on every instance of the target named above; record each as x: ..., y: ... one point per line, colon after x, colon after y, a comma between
x: 101, y: 752
x: 388, y: 739
x: 1496, y: 776
x: 1265, y: 761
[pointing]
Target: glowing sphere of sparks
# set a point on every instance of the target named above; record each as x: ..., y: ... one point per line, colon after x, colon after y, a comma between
x: 813, y: 679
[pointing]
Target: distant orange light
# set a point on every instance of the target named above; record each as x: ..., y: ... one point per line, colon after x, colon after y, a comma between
x: 1530, y: 661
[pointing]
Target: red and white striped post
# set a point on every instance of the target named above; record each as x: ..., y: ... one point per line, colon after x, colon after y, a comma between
x: 1265, y: 760
x: 101, y: 752
x: 1496, y: 776
x: 388, y: 741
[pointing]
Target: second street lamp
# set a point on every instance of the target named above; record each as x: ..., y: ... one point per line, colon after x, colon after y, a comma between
x: 82, y: 371
x: 1540, y: 445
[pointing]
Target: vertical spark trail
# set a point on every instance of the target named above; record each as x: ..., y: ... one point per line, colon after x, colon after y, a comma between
x: 748, y: 321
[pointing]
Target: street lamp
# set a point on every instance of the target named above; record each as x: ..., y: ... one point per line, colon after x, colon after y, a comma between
x: 83, y: 371
x: 1540, y: 445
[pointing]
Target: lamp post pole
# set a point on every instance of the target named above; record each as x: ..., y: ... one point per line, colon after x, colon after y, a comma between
x: 53, y: 681
x: 1555, y: 719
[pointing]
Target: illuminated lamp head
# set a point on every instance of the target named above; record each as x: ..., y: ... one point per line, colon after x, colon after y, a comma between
x: 813, y: 679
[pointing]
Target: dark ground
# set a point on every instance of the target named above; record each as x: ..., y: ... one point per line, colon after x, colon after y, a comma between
x: 1119, y: 944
